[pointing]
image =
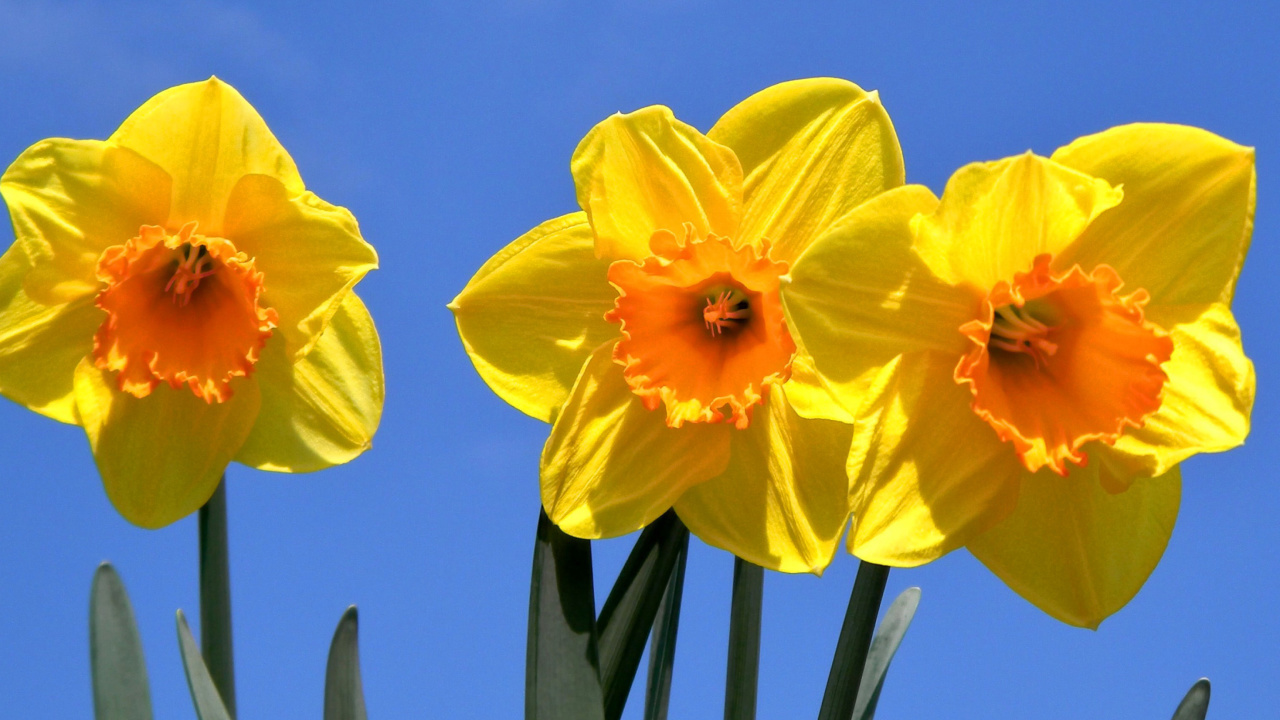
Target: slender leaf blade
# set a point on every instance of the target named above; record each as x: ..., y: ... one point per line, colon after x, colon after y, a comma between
x: 120, y: 687
x: 1195, y: 704
x: 883, y: 647
x: 662, y: 649
x: 562, y: 671
x: 204, y: 695
x: 744, y: 641
x: 343, y: 687
x: 629, y: 611
x: 855, y: 639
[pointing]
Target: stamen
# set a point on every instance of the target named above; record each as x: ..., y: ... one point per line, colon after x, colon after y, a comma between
x: 726, y: 311
x: 194, y: 266
x: 1015, y: 330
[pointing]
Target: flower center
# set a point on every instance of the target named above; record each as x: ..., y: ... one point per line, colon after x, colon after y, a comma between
x: 182, y: 309
x: 1016, y: 330
x: 703, y: 331
x: 729, y: 311
x: 194, y: 265
x: 1061, y: 360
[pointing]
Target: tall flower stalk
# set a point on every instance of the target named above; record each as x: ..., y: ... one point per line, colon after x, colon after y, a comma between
x: 215, y: 597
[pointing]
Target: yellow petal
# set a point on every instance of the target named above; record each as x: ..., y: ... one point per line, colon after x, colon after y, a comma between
x: 1187, y: 217
x: 206, y: 136
x: 782, y: 502
x: 324, y: 409
x: 996, y: 217
x: 859, y: 296
x: 927, y: 474
x: 647, y: 171
x: 808, y: 394
x: 811, y: 151
x: 40, y: 345
x: 310, y: 254
x: 70, y: 200
x: 534, y: 312
x: 1207, y: 399
x: 611, y: 466
x: 160, y: 456
x: 1077, y: 551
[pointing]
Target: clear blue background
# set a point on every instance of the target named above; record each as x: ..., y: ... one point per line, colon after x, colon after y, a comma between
x: 447, y: 129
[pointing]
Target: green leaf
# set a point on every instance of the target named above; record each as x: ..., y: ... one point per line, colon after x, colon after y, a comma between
x: 203, y: 693
x: 562, y: 676
x: 855, y: 637
x: 628, y: 612
x: 1195, y: 704
x: 883, y: 646
x: 662, y: 649
x: 343, y: 689
x: 120, y: 688
x: 744, y: 641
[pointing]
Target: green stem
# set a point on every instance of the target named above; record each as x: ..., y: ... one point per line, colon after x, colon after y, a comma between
x: 215, y: 596
x: 744, y: 641
x: 855, y: 639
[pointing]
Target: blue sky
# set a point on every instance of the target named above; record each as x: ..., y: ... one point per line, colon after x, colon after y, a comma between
x: 447, y: 129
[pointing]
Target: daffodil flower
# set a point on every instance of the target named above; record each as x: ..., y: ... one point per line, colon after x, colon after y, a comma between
x: 177, y: 292
x: 1030, y: 358
x: 648, y: 329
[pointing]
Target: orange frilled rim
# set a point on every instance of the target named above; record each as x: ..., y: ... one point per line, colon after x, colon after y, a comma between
x: 182, y: 309
x: 703, y: 330
x: 1060, y: 360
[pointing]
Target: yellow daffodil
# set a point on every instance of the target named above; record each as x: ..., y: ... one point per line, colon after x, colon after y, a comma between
x: 1030, y: 358
x: 177, y: 292
x: 647, y: 328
